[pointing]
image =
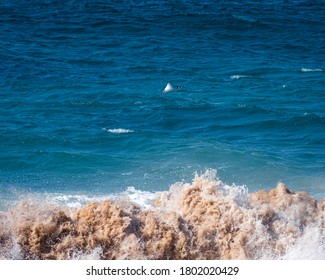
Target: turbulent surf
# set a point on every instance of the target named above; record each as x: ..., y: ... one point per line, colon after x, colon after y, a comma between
x: 205, y: 219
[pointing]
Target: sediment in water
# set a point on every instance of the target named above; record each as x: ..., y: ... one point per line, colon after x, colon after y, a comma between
x: 202, y: 220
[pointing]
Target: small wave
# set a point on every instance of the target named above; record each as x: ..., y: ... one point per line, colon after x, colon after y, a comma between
x: 118, y: 130
x: 311, y: 70
x: 236, y: 77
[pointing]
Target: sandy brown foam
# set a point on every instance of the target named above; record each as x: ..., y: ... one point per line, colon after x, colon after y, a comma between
x: 202, y: 220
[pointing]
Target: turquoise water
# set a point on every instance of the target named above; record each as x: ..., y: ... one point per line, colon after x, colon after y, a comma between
x: 82, y: 110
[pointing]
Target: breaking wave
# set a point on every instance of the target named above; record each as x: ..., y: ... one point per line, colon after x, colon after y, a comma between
x: 205, y: 219
x: 236, y: 77
x: 311, y: 70
x: 118, y: 130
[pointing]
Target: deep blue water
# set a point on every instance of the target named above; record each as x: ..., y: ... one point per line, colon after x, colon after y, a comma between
x: 252, y: 104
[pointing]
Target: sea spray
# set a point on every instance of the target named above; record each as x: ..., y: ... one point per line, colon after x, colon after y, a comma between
x: 205, y: 219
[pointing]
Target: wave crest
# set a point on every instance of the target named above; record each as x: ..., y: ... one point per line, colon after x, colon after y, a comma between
x: 311, y: 70
x: 205, y: 219
x: 236, y: 77
x: 118, y: 130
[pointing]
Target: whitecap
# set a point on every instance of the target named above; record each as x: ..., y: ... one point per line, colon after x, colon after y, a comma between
x: 311, y: 70
x: 76, y: 201
x: 144, y: 199
x: 236, y: 77
x: 118, y: 130
x: 309, y: 246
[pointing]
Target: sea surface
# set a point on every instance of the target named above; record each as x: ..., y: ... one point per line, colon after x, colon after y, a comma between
x: 83, y: 118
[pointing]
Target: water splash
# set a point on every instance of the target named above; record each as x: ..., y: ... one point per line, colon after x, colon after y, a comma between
x: 205, y: 219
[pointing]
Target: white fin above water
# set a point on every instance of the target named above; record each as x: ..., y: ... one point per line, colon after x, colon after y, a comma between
x: 168, y: 88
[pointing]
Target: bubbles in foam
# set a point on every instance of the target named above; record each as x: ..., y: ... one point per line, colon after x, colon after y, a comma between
x: 142, y: 198
x: 204, y: 219
x: 311, y: 245
x: 94, y: 254
x: 75, y: 201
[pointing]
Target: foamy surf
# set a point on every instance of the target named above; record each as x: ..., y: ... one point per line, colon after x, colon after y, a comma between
x: 204, y: 219
x: 143, y: 199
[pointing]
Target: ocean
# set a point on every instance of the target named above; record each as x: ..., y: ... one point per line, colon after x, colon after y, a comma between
x: 95, y: 159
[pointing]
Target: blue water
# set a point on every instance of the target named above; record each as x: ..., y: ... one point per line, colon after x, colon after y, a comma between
x: 82, y: 110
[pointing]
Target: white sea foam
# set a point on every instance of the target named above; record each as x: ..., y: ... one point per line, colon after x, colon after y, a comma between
x: 311, y: 70
x: 76, y: 201
x: 310, y: 246
x: 236, y: 77
x: 143, y: 199
x: 94, y: 254
x: 118, y: 130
